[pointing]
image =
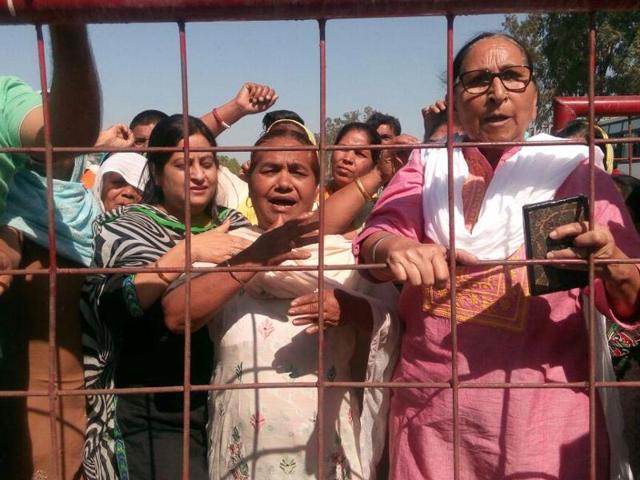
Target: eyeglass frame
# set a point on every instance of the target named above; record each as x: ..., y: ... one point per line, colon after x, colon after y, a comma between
x: 493, y: 76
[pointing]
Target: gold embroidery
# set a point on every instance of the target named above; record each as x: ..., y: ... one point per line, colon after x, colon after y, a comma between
x: 496, y: 297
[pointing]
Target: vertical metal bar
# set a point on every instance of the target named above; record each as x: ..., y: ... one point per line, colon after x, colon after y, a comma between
x: 452, y: 250
x: 187, y: 224
x: 321, y: 158
x: 592, y: 333
x: 629, y: 145
x: 54, y: 400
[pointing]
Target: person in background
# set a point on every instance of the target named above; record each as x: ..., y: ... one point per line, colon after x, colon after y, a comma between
x: 503, y: 333
x: 125, y: 341
x: 347, y: 166
x: 25, y: 440
x: 579, y: 130
x: 387, y: 126
x: 142, y: 124
x: 277, y: 115
x: 435, y: 122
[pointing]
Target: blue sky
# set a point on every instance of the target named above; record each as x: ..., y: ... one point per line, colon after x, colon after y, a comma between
x: 394, y: 65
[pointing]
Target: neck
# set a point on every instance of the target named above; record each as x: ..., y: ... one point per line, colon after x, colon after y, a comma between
x: 198, y: 219
x: 493, y: 155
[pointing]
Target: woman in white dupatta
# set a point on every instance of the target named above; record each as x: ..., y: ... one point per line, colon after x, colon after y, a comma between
x: 262, y: 326
x: 505, y: 335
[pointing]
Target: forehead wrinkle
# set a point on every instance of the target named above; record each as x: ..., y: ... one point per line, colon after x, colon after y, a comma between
x: 497, y: 53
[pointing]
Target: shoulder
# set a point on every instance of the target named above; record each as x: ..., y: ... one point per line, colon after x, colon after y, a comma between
x: 238, y: 220
x: 131, y: 219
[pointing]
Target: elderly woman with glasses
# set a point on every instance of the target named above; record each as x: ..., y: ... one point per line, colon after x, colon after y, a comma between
x: 504, y: 334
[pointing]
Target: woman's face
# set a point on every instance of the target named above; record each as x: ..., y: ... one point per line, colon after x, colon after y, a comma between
x: 282, y: 184
x: 116, y: 192
x: 347, y: 165
x: 203, y: 178
x: 498, y: 114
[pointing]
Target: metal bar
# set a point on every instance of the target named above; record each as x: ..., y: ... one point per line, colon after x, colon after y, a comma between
x: 186, y: 412
x: 629, y: 146
x: 96, y: 11
x: 322, y: 24
x: 593, y: 404
x: 566, y: 109
x: 54, y: 401
x: 452, y: 256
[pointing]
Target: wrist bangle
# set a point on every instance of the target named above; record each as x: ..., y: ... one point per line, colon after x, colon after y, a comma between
x: 218, y: 118
x: 363, y: 190
x: 233, y: 275
x: 376, y: 244
x: 162, y: 275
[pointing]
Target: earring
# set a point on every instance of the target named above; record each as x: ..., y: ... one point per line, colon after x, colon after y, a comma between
x: 248, y: 203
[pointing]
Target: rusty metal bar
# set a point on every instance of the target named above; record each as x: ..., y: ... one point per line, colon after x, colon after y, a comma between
x: 452, y: 256
x: 593, y: 404
x: 322, y: 46
x: 96, y: 11
x: 54, y: 401
x: 186, y: 407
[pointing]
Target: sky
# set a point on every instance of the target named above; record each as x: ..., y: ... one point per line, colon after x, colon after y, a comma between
x: 394, y: 65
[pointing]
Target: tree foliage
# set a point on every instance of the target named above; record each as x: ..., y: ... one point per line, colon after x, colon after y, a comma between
x: 335, y: 124
x: 230, y: 162
x: 559, y: 45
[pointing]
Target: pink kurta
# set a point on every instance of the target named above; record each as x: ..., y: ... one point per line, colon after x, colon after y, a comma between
x: 504, y: 335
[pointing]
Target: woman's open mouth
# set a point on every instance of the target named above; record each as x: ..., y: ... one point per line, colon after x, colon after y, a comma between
x: 282, y: 204
x: 495, y: 119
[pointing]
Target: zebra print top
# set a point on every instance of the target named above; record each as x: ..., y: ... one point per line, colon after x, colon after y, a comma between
x: 114, y: 325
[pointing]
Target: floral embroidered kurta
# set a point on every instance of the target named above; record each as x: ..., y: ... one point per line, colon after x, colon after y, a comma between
x: 504, y: 335
x: 271, y: 433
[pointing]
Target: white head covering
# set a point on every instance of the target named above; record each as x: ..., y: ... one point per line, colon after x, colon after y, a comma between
x: 132, y: 167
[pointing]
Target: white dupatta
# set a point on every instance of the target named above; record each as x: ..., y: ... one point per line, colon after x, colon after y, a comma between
x: 532, y: 175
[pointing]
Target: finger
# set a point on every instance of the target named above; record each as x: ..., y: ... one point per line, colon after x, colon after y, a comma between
x: 569, y: 230
x: 440, y: 272
x: 414, y: 276
x: 466, y: 258
x: 593, y: 239
x: 305, y: 320
x: 304, y: 299
x: 312, y: 329
x: 310, y: 308
x: 398, y: 271
x: 5, y: 283
x: 223, y: 227
x: 305, y: 241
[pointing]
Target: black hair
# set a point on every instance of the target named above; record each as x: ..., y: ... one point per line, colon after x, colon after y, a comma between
x: 462, y: 53
x: 276, y: 115
x: 168, y: 133
x: 147, y: 117
x: 284, y: 133
x: 577, y: 129
x: 378, y: 118
x: 374, y: 138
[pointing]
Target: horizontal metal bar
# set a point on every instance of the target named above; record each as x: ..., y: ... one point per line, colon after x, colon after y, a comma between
x: 100, y: 11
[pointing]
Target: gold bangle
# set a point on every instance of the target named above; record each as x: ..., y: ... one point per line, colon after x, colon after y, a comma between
x: 363, y: 190
x: 162, y: 275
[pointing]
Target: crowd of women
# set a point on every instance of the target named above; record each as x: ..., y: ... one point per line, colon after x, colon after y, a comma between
x: 259, y: 325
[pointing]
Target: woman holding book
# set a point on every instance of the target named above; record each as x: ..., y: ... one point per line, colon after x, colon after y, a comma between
x: 504, y: 333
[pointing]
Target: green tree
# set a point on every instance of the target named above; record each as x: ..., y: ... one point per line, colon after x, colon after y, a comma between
x: 230, y: 162
x: 559, y: 45
x: 335, y: 124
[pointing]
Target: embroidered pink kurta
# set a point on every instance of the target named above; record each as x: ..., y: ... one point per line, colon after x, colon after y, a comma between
x: 504, y: 335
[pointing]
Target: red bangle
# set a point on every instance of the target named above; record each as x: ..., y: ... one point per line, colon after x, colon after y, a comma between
x: 218, y: 118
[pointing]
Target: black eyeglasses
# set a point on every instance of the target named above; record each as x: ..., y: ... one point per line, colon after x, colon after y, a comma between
x: 515, y: 78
